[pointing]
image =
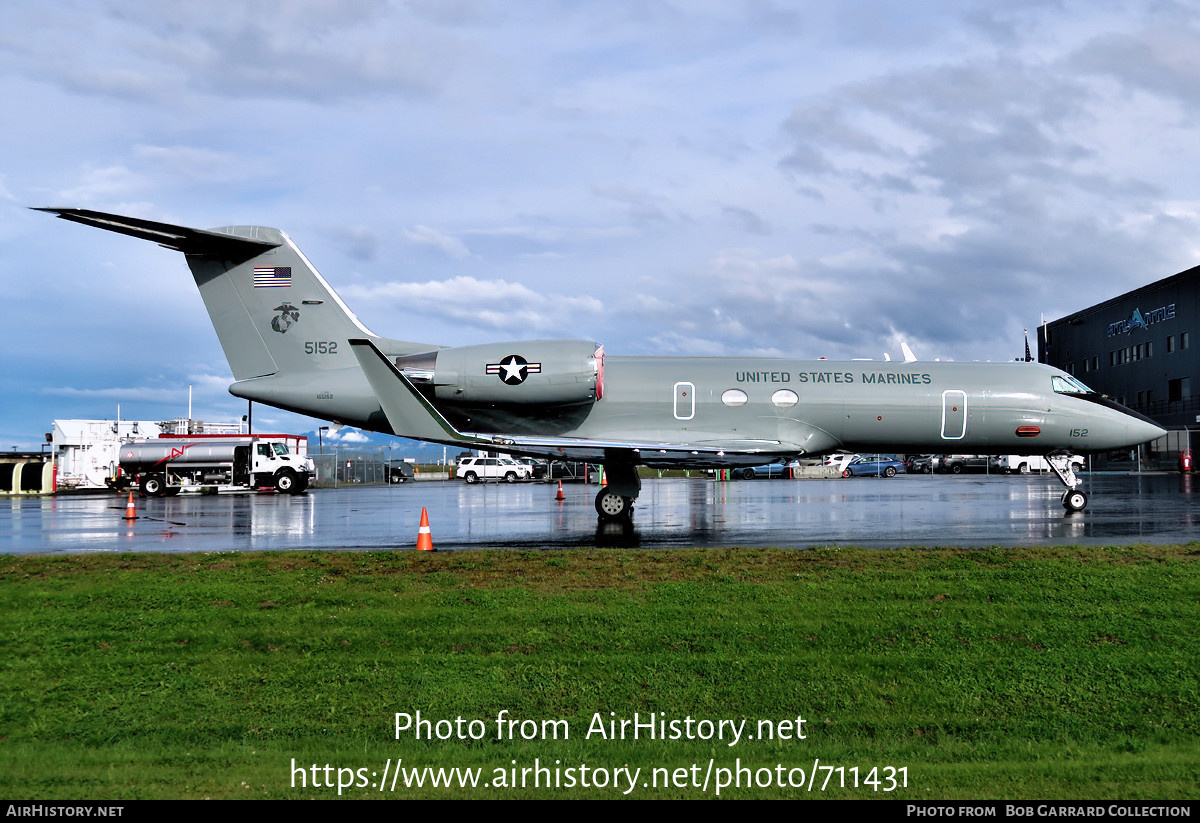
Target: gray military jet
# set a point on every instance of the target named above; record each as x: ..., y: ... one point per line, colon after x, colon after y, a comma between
x: 292, y: 343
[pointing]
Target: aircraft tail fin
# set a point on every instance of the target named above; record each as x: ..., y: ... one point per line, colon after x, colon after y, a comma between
x: 272, y: 310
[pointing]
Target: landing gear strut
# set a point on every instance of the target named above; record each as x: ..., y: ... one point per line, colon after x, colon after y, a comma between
x: 1073, y: 499
x: 615, y: 501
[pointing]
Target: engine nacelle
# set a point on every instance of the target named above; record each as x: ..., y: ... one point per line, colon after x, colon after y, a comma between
x: 530, y: 371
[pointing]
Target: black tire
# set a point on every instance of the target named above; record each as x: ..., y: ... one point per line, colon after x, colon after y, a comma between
x: 286, y: 482
x: 747, y: 474
x: 471, y: 478
x: 956, y: 468
x: 613, y: 506
x: 890, y: 471
x: 1074, y: 500
x: 846, y: 473
x: 510, y: 477
x: 1023, y: 468
x: 153, y: 485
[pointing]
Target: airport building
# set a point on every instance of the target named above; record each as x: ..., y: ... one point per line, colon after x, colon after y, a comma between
x: 1140, y: 349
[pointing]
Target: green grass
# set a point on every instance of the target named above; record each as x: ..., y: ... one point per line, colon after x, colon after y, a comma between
x: 988, y: 674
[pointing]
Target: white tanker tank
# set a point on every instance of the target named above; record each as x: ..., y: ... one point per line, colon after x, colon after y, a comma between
x: 168, y: 465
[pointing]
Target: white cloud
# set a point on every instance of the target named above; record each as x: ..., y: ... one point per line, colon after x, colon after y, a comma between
x: 450, y: 246
x: 495, y: 304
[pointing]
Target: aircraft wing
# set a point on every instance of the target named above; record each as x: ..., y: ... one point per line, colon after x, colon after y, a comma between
x: 410, y: 414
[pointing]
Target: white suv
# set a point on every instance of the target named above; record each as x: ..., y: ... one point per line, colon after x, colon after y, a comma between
x: 475, y: 469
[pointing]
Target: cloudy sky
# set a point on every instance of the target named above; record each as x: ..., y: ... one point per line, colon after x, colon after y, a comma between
x: 682, y: 177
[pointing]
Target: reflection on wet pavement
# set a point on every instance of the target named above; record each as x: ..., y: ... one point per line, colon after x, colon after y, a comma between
x: 902, y: 511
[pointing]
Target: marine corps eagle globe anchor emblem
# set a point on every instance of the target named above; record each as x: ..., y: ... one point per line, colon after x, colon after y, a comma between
x: 288, y: 314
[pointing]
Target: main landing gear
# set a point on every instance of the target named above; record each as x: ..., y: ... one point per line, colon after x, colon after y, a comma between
x: 1073, y: 499
x: 615, y: 500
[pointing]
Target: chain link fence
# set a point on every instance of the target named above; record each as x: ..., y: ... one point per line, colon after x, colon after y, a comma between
x: 356, y: 466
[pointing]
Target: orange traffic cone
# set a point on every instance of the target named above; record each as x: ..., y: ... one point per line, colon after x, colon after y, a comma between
x: 130, y: 510
x: 424, y: 536
x: 560, y: 495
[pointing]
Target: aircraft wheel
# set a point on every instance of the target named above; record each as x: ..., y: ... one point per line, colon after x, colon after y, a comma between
x: 510, y: 477
x: 471, y: 477
x: 152, y: 485
x: 890, y: 471
x: 747, y: 474
x: 845, y: 472
x: 613, y: 506
x: 285, y: 482
x: 1074, y: 500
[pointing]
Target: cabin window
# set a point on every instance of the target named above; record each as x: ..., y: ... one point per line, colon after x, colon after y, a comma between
x: 734, y: 397
x: 785, y: 398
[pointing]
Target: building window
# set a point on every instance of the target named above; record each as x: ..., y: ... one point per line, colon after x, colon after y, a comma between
x: 1096, y: 363
x: 1170, y: 343
x: 1179, y: 389
x: 1183, y: 340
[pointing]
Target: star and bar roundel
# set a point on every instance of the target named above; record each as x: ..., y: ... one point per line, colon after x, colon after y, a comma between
x: 513, y: 369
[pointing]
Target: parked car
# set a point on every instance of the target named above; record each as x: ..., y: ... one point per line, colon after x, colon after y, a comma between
x: 571, y: 470
x: 475, y: 469
x: 838, y: 460
x: 1027, y: 463
x: 918, y: 464
x: 537, y: 468
x: 399, y: 472
x: 767, y: 470
x: 874, y: 465
x: 959, y: 463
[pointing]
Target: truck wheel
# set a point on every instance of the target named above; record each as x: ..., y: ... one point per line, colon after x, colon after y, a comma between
x: 286, y: 482
x: 471, y: 477
x: 510, y: 477
x: 152, y: 485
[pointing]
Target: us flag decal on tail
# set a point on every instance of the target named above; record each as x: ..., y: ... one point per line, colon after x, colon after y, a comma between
x: 272, y: 277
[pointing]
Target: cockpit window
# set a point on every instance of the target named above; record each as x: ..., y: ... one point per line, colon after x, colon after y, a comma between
x: 1065, y: 384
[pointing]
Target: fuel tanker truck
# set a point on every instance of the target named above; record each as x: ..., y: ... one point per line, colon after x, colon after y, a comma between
x: 169, y: 464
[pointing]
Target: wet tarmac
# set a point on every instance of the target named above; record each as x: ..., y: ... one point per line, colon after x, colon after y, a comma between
x: 671, y: 513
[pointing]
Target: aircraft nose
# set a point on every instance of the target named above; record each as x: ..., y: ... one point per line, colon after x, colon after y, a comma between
x: 1143, y: 431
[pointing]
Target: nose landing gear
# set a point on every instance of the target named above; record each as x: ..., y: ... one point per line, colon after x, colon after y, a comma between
x: 1073, y: 499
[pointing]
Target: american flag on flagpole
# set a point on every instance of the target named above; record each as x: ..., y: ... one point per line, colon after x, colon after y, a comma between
x: 272, y: 277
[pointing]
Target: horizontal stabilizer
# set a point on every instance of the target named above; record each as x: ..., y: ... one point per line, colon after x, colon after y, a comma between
x: 179, y: 238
